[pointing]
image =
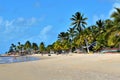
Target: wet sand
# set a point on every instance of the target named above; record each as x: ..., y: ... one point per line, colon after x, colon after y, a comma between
x: 65, y: 67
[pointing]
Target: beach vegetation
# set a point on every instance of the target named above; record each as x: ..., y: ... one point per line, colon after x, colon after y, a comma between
x: 93, y: 38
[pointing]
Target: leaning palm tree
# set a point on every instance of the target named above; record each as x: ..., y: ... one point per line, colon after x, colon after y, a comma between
x: 78, y: 21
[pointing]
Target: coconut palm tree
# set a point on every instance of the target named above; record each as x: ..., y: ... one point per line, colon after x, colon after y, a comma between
x: 57, y: 46
x: 49, y: 48
x: 34, y: 47
x: 63, y: 36
x: 13, y: 48
x: 100, y: 25
x: 71, y: 32
x: 94, y: 31
x: 78, y: 21
x: 108, y: 23
x: 116, y: 16
x: 28, y: 46
x: 42, y: 47
x: 20, y: 47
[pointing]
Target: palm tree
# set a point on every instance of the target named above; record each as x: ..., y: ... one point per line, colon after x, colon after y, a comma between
x: 78, y: 21
x: 108, y: 23
x: 100, y: 25
x: 20, y: 47
x: 63, y: 36
x: 42, y: 47
x: 57, y: 46
x: 28, y: 46
x: 94, y: 31
x: 10, y: 49
x: 35, y: 47
x: 71, y: 32
x: 13, y: 48
x: 116, y: 16
x: 49, y: 48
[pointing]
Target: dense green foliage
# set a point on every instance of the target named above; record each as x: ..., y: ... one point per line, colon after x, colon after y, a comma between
x: 106, y: 33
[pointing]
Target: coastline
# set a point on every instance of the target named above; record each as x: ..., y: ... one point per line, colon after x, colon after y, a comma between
x: 65, y: 67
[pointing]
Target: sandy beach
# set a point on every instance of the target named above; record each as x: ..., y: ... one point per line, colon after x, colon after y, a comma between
x: 65, y: 67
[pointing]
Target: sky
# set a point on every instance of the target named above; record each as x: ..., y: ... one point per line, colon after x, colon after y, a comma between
x: 42, y: 20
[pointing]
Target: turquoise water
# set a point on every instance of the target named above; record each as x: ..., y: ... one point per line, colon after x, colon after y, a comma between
x: 9, y: 59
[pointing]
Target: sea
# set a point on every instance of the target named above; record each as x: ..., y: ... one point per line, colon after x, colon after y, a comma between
x: 16, y: 59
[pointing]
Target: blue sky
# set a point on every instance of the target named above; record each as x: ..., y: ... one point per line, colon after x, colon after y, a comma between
x: 43, y: 20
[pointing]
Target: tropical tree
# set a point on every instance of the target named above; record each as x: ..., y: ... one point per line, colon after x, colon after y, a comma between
x: 65, y: 40
x: 63, y: 36
x: 49, y: 48
x: 72, y: 35
x: 28, y: 46
x: 108, y: 24
x: 34, y: 47
x: 57, y: 46
x: 94, y: 32
x: 116, y: 16
x: 12, y: 48
x: 100, y: 25
x: 78, y: 21
x: 20, y: 46
x: 71, y: 32
x: 42, y: 47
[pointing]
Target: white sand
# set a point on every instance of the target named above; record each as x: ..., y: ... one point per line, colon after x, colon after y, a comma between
x: 62, y: 67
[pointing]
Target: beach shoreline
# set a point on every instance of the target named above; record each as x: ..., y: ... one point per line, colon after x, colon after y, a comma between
x: 65, y: 67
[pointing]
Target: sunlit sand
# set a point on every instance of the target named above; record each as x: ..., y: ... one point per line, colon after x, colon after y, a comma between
x: 65, y: 67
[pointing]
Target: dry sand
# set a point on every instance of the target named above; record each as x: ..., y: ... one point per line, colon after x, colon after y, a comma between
x: 62, y: 67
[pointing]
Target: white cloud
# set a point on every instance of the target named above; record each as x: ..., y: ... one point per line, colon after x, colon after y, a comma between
x: 46, y: 29
x: 15, y: 28
x: 9, y: 23
x: 26, y: 22
x: 32, y: 20
x: 8, y: 26
x: 117, y: 5
x: 44, y: 35
x: 45, y: 32
x: 102, y: 16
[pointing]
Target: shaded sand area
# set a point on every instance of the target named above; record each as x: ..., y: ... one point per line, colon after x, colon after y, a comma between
x: 62, y: 67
